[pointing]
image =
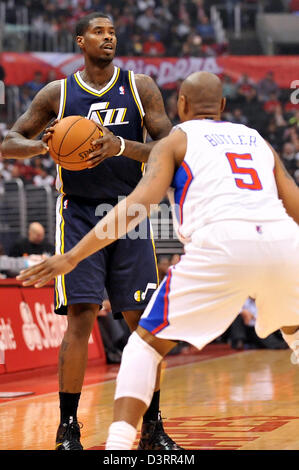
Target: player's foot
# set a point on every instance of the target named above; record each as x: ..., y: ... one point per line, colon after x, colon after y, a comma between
x: 68, y: 436
x: 153, y: 437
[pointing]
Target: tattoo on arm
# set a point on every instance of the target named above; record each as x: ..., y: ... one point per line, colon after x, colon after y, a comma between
x: 43, y: 108
x: 156, y: 120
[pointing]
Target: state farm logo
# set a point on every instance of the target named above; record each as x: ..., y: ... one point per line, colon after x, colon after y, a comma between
x: 7, y: 338
x: 43, y: 330
x: 46, y: 332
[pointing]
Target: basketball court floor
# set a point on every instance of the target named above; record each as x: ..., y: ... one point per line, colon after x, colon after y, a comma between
x: 213, y: 399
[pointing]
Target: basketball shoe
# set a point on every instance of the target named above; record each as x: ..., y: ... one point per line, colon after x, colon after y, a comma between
x: 153, y: 437
x: 68, y: 436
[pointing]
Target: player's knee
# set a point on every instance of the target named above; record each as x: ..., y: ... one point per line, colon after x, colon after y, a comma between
x: 138, y: 370
x: 81, y: 319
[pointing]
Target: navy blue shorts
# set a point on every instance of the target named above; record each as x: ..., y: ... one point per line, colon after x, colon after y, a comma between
x: 127, y: 268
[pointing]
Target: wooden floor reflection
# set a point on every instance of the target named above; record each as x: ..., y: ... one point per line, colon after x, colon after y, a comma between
x: 248, y: 400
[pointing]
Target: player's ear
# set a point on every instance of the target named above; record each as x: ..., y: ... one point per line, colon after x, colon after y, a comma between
x: 223, y: 104
x: 80, y: 41
x: 182, y: 102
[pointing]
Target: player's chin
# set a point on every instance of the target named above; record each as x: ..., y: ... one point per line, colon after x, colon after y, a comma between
x: 107, y: 54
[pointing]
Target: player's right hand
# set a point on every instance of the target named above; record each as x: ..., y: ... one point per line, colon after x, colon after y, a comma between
x: 40, y: 148
x: 40, y: 274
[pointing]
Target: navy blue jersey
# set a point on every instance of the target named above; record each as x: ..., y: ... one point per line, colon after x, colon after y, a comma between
x: 118, y: 107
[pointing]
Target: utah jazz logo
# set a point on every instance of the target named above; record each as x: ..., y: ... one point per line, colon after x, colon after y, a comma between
x: 102, y: 114
x: 140, y: 296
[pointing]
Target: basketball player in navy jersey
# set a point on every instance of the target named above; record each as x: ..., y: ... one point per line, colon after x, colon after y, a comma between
x: 124, y: 106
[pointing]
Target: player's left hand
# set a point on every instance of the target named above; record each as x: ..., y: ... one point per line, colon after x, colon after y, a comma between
x: 108, y: 146
x: 40, y: 274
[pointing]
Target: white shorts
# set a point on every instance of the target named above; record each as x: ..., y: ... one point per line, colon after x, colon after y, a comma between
x: 224, y: 264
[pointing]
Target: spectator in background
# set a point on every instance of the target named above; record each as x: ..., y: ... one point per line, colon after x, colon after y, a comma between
x: 43, y: 178
x: 36, y: 84
x: 51, y: 76
x: 34, y: 244
x: 147, y: 21
x: 205, y: 29
x: 288, y: 156
x: 135, y: 46
x: 6, y: 169
x: 152, y: 47
x: 279, y: 116
x: 238, y: 117
x: 271, y: 104
x: 274, y: 135
x: 164, y: 12
x: 173, y: 42
x: 245, y: 87
x: 25, y: 98
x: 171, y: 108
x: 294, y: 137
x: 229, y: 89
x: 267, y: 87
x: 294, y: 120
x: 10, y: 266
x: 242, y: 332
x: 143, y: 5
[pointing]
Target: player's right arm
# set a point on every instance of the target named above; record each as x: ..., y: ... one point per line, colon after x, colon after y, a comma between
x: 19, y: 143
x: 287, y: 189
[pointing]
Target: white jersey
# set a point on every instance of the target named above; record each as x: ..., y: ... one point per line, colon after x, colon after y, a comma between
x: 227, y: 174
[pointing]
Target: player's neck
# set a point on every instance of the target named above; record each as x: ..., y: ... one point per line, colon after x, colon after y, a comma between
x: 97, y: 75
x: 212, y: 117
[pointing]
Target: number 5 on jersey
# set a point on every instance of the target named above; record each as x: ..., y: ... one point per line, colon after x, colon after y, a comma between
x: 255, y: 184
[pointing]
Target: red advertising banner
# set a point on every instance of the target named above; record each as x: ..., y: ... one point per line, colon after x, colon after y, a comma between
x: 30, y: 331
x: 20, y: 67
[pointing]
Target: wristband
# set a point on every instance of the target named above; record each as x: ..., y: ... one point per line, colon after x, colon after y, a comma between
x: 122, y: 146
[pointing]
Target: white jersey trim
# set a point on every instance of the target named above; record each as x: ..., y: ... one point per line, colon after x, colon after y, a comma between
x: 93, y: 90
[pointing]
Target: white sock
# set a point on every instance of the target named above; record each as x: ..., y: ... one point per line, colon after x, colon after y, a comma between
x: 293, y: 342
x: 121, y: 436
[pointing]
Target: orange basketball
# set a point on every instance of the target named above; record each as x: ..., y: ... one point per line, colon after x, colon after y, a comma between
x: 71, y: 142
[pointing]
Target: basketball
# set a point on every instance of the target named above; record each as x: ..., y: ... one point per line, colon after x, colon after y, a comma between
x: 71, y: 142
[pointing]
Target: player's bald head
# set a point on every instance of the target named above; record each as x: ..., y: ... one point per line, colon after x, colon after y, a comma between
x: 202, y: 94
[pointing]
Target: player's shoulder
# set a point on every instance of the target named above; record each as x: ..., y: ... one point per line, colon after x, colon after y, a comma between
x: 51, y: 91
x: 145, y: 83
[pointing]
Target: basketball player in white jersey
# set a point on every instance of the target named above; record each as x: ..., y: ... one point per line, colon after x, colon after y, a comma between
x: 238, y: 211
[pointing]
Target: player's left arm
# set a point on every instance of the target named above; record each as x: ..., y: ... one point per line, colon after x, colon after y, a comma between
x: 156, y: 122
x: 287, y: 189
x: 124, y: 217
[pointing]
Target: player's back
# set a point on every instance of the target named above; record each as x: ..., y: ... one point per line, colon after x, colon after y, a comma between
x: 227, y: 174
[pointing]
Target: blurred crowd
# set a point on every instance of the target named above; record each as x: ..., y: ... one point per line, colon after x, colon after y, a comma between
x: 145, y: 27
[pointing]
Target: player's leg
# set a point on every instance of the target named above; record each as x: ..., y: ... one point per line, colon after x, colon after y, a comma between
x: 135, y: 386
x: 71, y: 369
x: 78, y: 295
x: 153, y: 435
x: 277, y: 298
x: 131, y: 280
